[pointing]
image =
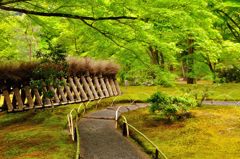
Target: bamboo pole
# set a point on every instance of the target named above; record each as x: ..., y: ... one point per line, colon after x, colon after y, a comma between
x: 67, y: 89
x: 28, y: 96
x: 117, y: 86
x: 62, y: 94
x: 103, y: 85
x: 86, y: 87
x: 46, y: 101
x: 7, y: 100
x: 80, y: 88
x: 73, y: 86
x: 108, y: 86
x: 23, y: 95
x: 99, y: 90
x: 56, y: 99
x: 89, y: 79
x: 38, y: 99
x: 113, y: 86
x: 18, y: 98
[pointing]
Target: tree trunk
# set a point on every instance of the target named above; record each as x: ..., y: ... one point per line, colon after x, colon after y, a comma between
x: 190, y: 69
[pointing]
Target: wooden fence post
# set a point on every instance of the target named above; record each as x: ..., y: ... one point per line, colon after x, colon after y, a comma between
x: 104, y: 87
x: 108, y: 86
x: 80, y: 88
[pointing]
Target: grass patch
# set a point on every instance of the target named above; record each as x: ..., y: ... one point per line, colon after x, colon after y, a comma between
x: 228, y: 91
x: 213, y: 132
x: 41, y: 134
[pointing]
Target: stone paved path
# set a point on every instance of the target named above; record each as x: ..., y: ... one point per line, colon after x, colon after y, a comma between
x: 100, y: 140
x: 222, y: 103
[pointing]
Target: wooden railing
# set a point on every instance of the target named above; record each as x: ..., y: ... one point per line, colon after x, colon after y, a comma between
x: 126, y: 127
x: 75, y: 90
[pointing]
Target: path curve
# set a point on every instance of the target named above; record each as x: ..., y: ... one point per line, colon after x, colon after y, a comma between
x: 99, y: 138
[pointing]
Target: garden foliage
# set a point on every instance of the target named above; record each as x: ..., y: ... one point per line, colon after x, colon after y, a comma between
x: 169, y: 107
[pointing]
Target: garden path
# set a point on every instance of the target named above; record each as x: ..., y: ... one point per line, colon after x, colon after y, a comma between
x: 101, y: 140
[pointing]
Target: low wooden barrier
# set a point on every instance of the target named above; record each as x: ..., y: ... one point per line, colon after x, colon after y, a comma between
x: 76, y: 89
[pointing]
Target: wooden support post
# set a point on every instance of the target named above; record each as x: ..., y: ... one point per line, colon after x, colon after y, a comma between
x: 28, y: 96
x: 8, y: 100
x: 113, y: 87
x: 46, y: 101
x: 99, y: 90
x: 89, y: 79
x: 23, y: 95
x: 117, y: 86
x: 80, y: 88
x: 56, y: 99
x: 156, y: 154
x: 125, y: 130
x: 70, y: 80
x: 108, y: 86
x: 61, y: 93
x: 18, y: 98
x: 67, y: 89
x: 86, y: 86
x: 103, y: 85
x: 38, y: 98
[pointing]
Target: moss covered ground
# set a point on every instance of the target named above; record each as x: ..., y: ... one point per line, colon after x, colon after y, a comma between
x: 213, y: 132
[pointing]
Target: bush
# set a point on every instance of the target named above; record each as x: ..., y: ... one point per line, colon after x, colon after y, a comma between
x: 229, y: 74
x: 170, y: 107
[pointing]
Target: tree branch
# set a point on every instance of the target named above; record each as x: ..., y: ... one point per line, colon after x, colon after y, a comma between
x: 116, y: 43
x: 13, y: 1
x: 66, y: 15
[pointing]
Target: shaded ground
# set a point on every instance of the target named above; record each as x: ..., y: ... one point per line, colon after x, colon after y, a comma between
x: 100, y: 139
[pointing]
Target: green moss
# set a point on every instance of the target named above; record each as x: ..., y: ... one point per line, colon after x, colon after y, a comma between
x: 213, y: 132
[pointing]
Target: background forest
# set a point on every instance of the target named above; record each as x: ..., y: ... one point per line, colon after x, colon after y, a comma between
x: 155, y: 42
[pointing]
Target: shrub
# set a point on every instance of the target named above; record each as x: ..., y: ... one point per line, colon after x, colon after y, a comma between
x: 170, y: 107
x: 229, y: 74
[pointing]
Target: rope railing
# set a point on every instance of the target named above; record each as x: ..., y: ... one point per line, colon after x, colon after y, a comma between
x: 125, y: 131
x: 73, y: 129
